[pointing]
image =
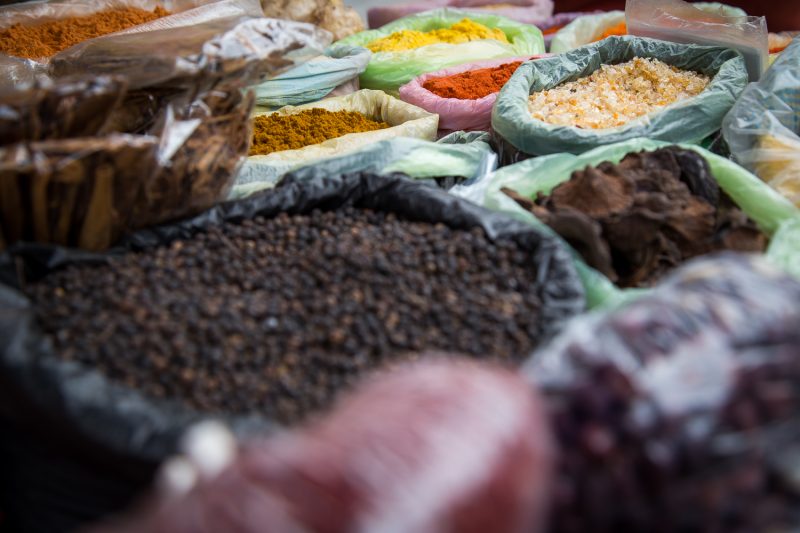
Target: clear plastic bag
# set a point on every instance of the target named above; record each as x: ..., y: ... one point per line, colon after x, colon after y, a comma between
x: 590, y: 27
x: 198, y: 118
x: 763, y: 127
x: 679, y: 411
x: 681, y: 22
x: 185, y: 13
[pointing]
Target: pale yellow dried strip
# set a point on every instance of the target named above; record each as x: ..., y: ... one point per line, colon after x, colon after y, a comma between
x: 616, y: 94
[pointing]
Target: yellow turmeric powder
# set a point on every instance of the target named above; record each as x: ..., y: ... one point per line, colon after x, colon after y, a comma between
x: 275, y: 132
x: 39, y: 41
x: 461, y: 32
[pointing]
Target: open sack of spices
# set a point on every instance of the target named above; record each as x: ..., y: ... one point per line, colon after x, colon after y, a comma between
x: 295, y: 136
x: 433, y: 40
x: 763, y: 127
x: 452, y: 160
x: 405, y: 425
x: 315, y: 78
x: 259, y: 312
x: 679, y: 411
x: 462, y: 96
x: 635, y: 210
x: 618, y: 89
x: 526, y: 11
x: 593, y: 27
x: 83, y: 161
x: 33, y: 34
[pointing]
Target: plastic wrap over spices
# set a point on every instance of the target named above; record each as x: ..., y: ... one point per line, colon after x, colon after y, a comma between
x: 685, y: 401
x: 33, y: 34
x: 527, y: 11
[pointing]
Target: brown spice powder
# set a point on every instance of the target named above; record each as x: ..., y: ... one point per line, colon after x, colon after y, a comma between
x: 274, y: 133
x: 46, y: 39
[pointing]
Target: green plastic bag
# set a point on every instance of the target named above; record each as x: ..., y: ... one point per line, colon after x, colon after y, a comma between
x: 773, y: 213
x: 455, y: 155
x: 389, y: 70
x: 314, y: 79
x: 589, y: 28
x: 689, y: 120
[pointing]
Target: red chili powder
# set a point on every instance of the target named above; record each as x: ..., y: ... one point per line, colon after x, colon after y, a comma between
x: 473, y: 84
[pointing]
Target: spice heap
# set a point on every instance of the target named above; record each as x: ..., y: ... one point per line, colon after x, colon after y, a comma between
x: 617, y: 29
x: 460, y: 32
x: 276, y: 132
x: 616, y: 94
x: 278, y: 315
x: 44, y: 40
x: 637, y: 220
x: 473, y: 84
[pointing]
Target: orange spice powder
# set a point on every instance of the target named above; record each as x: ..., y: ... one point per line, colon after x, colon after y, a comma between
x: 44, y: 40
x: 473, y: 84
x: 618, y: 29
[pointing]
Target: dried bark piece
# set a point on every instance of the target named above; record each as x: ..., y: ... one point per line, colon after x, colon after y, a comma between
x: 654, y: 209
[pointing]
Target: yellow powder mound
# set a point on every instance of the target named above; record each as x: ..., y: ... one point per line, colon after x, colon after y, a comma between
x: 460, y: 32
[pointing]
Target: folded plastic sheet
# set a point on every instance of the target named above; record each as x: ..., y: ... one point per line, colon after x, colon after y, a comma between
x: 389, y: 70
x: 689, y: 120
x: 314, y: 79
x: 460, y: 156
x: 405, y: 121
x: 772, y: 213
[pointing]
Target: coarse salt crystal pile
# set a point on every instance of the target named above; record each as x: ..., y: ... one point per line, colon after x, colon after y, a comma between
x: 616, y: 94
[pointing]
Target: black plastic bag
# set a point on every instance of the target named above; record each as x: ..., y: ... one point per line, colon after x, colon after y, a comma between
x: 679, y: 412
x: 110, y: 420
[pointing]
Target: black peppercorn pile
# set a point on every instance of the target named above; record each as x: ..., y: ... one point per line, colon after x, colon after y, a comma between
x: 277, y: 316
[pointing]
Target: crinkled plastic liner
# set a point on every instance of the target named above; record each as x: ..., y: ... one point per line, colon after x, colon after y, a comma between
x: 664, y: 378
x: 772, y: 212
x: 681, y: 22
x: 454, y: 113
x: 763, y: 127
x: 560, y: 19
x: 416, y: 158
x: 240, y: 47
x: 314, y: 79
x: 587, y: 29
x: 405, y: 121
x: 689, y: 120
x: 527, y: 11
x: 185, y: 13
x: 389, y: 70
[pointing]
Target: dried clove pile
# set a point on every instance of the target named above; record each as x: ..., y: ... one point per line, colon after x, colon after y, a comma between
x: 278, y: 315
x: 637, y: 220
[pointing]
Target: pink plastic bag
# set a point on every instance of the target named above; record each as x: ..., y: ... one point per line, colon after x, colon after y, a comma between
x: 526, y: 11
x: 454, y: 113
